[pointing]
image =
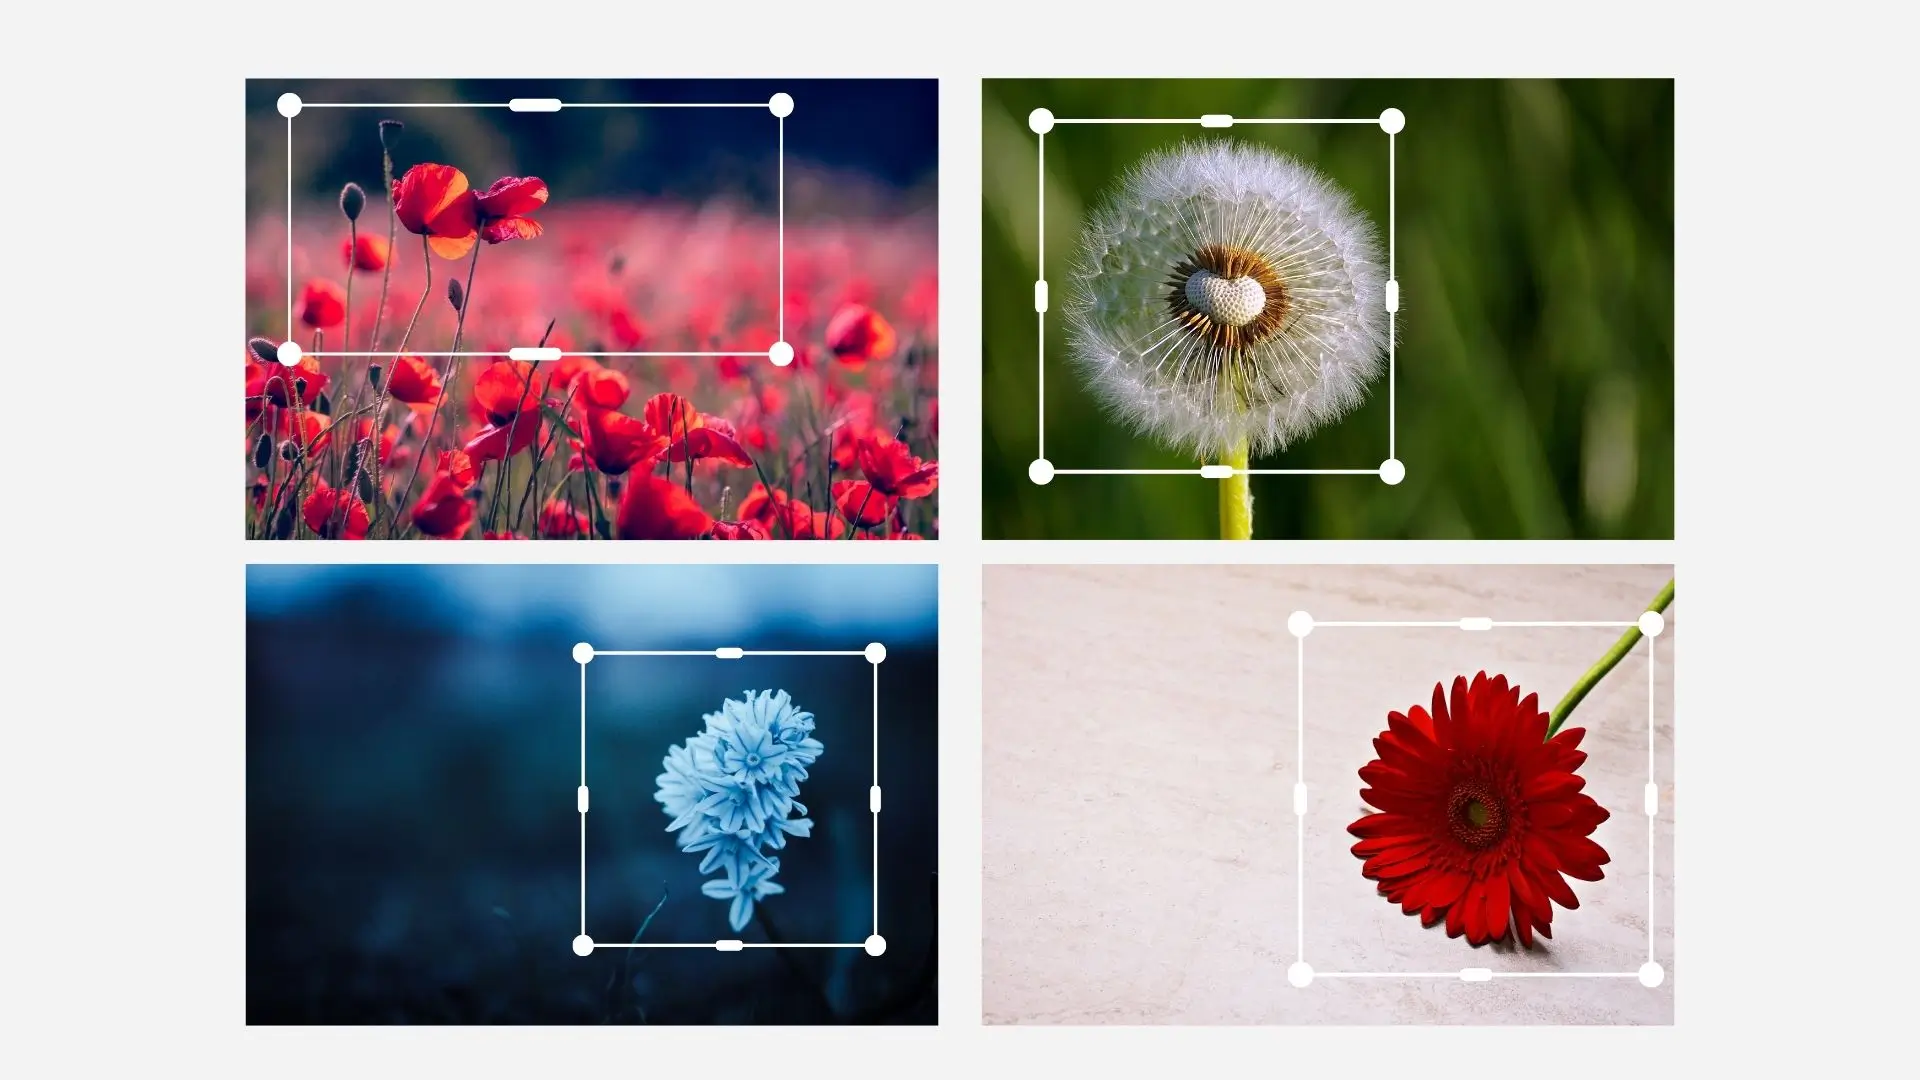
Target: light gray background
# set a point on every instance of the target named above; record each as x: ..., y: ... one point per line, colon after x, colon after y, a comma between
x: 1139, y: 841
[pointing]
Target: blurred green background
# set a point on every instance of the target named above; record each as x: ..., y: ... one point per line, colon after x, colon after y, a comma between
x: 1535, y: 358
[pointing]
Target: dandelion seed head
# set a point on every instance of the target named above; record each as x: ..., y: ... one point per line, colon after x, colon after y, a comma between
x: 1227, y: 295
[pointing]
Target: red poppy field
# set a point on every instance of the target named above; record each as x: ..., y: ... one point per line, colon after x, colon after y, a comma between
x: 403, y: 416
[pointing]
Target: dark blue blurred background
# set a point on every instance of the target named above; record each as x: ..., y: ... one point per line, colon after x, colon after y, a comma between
x: 883, y: 130
x: 412, y: 754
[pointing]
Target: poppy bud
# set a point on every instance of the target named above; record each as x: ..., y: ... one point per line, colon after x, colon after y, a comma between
x: 263, y: 350
x: 323, y: 404
x: 262, y: 450
x: 456, y: 295
x: 363, y: 485
x: 300, y: 387
x: 289, y: 451
x: 373, y: 376
x: 353, y: 199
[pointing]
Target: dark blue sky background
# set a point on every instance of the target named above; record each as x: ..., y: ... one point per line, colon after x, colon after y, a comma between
x: 413, y: 748
x: 886, y: 131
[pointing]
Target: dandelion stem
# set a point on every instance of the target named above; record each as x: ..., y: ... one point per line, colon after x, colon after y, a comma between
x: 1236, y: 498
x: 1607, y: 663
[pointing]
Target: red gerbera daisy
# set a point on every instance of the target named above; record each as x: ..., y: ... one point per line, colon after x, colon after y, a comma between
x: 1481, y: 813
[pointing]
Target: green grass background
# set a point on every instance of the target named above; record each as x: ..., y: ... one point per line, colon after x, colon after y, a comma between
x: 1535, y: 260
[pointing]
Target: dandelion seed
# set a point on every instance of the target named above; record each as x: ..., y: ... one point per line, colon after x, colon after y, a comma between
x: 1227, y: 299
x: 730, y: 793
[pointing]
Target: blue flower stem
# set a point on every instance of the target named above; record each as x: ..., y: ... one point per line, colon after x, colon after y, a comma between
x: 1606, y: 663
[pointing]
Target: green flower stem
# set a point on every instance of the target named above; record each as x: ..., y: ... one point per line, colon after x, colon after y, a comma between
x: 1236, y: 498
x: 1607, y: 663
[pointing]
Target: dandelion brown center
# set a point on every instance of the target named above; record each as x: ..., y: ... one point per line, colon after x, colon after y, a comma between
x: 1475, y: 816
x: 1229, y: 296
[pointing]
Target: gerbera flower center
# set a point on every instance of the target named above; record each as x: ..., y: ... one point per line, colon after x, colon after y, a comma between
x: 1476, y: 816
x: 1228, y: 295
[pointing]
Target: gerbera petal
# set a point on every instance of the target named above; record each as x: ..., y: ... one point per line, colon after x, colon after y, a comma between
x: 1499, y: 907
x: 1553, y: 785
x: 1374, y: 825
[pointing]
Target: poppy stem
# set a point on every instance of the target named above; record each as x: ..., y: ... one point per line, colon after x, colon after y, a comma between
x: 446, y: 377
x: 386, y: 379
x: 1607, y: 663
x: 386, y: 270
x: 506, y: 474
x: 540, y: 448
x: 1236, y: 498
x: 600, y: 528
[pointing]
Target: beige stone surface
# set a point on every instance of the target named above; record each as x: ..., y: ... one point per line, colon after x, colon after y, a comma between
x: 1139, y: 842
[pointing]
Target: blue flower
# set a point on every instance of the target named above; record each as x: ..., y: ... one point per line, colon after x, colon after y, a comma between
x: 730, y: 792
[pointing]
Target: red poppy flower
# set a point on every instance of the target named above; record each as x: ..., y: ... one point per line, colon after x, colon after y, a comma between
x: 560, y: 521
x: 739, y: 530
x: 759, y: 505
x: 326, y: 515
x: 787, y: 518
x: 602, y: 388
x: 388, y: 438
x: 458, y: 466
x: 434, y: 201
x: 323, y: 304
x: 692, y: 434
x: 1480, y: 813
x: 413, y: 381
x: 502, y: 390
x: 564, y: 371
x: 615, y: 442
x: 314, y: 430
x: 365, y: 252
x: 628, y: 331
x: 504, y: 207
x: 861, y: 503
x: 497, y: 442
x: 445, y: 511
x: 893, y: 469
x: 655, y: 508
x: 857, y: 334
x: 276, y: 383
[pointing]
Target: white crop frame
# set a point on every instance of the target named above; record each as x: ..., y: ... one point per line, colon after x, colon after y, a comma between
x: 584, y: 945
x: 780, y: 105
x: 1301, y: 974
x: 1042, y: 470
